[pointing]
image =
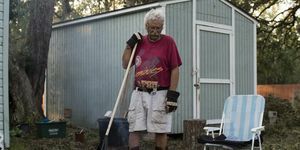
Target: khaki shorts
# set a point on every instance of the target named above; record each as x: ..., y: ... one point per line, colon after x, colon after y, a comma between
x: 147, y: 112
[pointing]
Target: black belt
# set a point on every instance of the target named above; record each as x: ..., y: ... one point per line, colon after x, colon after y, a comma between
x: 151, y: 90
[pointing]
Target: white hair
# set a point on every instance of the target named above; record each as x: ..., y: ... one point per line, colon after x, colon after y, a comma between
x: 154, y: 14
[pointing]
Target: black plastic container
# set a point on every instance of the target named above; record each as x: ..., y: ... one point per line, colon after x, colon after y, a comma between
x: 118, y: 135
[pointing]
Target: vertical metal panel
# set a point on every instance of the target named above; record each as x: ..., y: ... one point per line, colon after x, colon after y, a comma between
x: 4, y: 9
x: 244, y: 36
x: 179, y: 26
x: 213, y: 11
x: 211, y: 104
x: 84, y: 68
x: 1, y: 68
x: 214, y: 55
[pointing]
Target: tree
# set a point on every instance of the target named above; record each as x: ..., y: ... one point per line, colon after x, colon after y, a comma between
x: 278, y: 44
x: 28, y: 58
x: 71, y: 9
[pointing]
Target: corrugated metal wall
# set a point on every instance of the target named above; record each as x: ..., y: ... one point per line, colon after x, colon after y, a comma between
x: 213, y: 11
x: 84, y: 69
x: 212, y: 98
x: 244, y: 55
x: 179, y: 26
x: 1, y: 68
x: 4, y: 98
x: 214, y: 55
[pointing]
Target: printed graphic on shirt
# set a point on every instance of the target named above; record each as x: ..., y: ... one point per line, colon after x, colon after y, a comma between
x: 138, y: 61
x: 151, y: 72
x: 149, y: 84
x: 147, y: 71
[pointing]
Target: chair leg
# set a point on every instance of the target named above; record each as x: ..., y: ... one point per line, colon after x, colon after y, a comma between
x: 259, y: 140
x: 204, y: 148
x: 253, y: 137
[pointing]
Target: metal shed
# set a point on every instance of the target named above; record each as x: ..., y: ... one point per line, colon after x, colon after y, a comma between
x: 4, y: 103
x: 216, y: 41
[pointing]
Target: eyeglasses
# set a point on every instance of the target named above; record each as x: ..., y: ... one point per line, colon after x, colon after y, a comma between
x: 154, y: 26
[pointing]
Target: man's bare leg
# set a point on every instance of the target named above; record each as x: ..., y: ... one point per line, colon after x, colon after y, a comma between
x: 134, y: 140
x: 161, y: 140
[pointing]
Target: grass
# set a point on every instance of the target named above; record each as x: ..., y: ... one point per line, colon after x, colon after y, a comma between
x: 30, y: 141
x: 275, y: 137
x: 282, y: 135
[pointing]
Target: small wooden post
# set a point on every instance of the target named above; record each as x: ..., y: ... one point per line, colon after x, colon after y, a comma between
x: 191, y: 130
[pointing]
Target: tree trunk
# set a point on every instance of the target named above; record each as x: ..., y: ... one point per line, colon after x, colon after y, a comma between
x: 20, y: 92
x: 27, y: 84
x: 191, y: 130
x: 39, y: 33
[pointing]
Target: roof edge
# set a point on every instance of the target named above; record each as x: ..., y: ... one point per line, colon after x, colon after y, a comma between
x: 243, y: 12
x: 142, y: 7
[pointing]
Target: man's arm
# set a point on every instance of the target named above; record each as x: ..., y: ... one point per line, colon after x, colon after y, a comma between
x: 126, y: 56
x: 172, y: 94
x: 174, y: 78
x: 134, y: 39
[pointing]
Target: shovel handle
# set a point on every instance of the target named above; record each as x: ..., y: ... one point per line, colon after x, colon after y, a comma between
x: 121, y: 90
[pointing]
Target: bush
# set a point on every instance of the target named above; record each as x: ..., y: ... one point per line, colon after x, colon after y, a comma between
x: 286, y: 116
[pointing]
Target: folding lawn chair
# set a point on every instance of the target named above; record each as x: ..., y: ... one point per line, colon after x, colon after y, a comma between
x: 241, y: 123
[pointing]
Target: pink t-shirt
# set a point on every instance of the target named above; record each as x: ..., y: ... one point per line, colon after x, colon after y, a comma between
x: 154, y: 62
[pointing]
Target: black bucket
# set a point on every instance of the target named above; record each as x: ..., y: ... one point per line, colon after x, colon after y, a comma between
x: 118, y: 135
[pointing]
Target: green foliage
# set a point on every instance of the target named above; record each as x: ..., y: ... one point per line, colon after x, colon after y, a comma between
x: 15, y: 132
x: 71, y: 9
x: 287, y: 116
x: 18, y: 31
x: 32, y: 118
x: 284, y: 111
x: 278, y: 39
x: 284, y: 133
x: 296, y: 103
x: 278, y: 56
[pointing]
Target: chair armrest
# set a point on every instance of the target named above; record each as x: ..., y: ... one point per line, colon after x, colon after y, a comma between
x: 213, y: 122
x: 211, y: 130
x: 258, y: 129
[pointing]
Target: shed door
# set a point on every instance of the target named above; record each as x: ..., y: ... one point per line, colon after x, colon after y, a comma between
x: 214, y: 80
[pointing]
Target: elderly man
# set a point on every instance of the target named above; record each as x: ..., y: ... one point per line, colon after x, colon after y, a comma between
x: 154, y: 97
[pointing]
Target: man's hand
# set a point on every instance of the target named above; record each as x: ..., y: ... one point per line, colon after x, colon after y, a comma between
x: 135, y: 38
x: 171, y: 103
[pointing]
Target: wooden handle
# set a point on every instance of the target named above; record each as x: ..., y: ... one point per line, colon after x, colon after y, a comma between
x: 121, y: 90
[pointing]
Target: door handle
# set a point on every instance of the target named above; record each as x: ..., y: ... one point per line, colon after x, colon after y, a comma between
x: 197, y: 85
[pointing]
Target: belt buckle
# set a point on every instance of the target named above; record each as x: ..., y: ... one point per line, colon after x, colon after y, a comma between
x: 154, y: 90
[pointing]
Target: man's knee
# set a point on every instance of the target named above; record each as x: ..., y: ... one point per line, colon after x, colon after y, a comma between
x: 161, y: 141
x: 134, y: 140
x: 161, y: 136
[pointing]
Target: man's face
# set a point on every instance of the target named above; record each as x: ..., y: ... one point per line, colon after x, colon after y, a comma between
x: 154, y: 28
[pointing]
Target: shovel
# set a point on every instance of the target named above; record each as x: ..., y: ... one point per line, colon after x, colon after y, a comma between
x: 105, y: 142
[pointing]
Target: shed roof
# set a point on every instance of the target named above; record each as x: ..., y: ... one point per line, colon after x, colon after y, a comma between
x: 157, y: 3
